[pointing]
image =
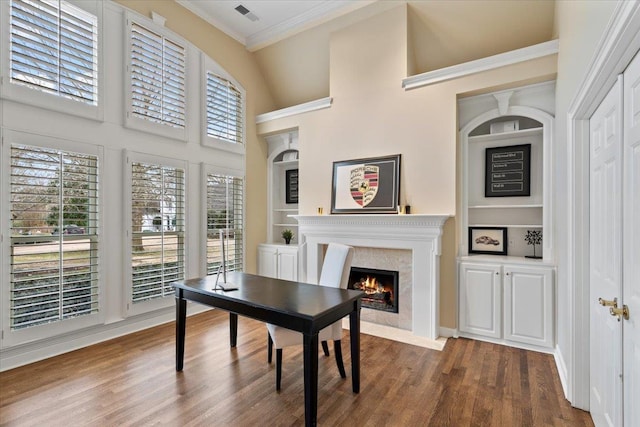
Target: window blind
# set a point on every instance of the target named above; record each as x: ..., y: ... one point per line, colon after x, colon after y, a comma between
x: 157, y: 245
x: 54, y: 238
x: 225, y: 196
x: 54, y: 48
x: 224, y: 109
x: 157, y: 77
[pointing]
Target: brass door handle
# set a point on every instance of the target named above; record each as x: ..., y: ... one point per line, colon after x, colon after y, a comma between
x: 620, y: 312
x: 608, y: 303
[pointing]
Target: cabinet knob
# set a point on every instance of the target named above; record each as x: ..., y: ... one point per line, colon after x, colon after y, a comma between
x: 508, y: 273
x: 497, y: 273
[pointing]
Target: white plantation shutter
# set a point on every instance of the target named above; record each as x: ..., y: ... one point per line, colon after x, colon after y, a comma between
x: 225, y: 196
x: 157, y: 75
x: 157, y: 245
x: 54, y: 257
x: 224, y: 105
x: 54, y: 49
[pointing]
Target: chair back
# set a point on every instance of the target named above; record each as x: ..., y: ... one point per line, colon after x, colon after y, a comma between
x: 336, y: 266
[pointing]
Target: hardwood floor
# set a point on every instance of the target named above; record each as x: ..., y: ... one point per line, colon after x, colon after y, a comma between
x: 131, y: 381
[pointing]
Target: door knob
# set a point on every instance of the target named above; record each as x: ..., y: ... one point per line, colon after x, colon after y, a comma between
x: 608, y: 303
x: 620, y: 312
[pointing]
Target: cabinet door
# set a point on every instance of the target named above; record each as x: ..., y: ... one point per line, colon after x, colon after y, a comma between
x: 480, y: 299
x: 528, y: 305
x: 267, y: 261
x: 288, y: 265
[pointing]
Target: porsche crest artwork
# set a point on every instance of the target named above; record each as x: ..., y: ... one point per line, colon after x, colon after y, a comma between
x: 366, y: 185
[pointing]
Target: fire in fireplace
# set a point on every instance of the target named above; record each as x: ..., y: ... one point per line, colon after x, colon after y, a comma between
x: 380, y: 287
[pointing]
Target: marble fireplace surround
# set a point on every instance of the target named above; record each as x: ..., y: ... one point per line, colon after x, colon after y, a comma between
x: 420, y: 234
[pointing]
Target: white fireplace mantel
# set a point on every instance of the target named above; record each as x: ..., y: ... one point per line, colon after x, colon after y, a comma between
x: 419, y: 233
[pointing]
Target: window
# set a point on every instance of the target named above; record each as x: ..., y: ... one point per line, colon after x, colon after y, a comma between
x: 224, y: 110
x: 157, y: 77
x: 53, y: 49
x: 157, y: 244
x: 54, y: 239
x: 225, y: 198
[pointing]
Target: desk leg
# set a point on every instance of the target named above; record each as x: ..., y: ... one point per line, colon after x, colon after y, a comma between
x: 310, y: 380
x: 181, y: 323
x: 233, y: 329
x: 354, y: 337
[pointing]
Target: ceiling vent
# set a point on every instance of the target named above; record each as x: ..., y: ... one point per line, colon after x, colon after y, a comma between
x: 246, y: 12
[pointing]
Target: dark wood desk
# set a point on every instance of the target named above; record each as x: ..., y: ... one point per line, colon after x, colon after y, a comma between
x: 301, y: 307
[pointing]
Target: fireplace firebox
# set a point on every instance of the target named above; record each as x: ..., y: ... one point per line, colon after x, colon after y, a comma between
x: 380, y: 287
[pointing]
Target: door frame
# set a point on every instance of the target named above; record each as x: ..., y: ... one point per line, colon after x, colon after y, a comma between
x: 620, y: 43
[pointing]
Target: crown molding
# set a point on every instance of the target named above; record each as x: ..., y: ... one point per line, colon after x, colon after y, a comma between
x: 489, y: 63
x: 193, y: 7
x: 318, y: 104
x: 314, y: 16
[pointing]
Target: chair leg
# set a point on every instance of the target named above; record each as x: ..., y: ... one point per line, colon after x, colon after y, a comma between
x: 269, y: 347
x: 278, y: 368
x: 325, y: 348
x: 337, y: 349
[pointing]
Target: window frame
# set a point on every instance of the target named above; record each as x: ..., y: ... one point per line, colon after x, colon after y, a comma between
x: 209, y: 65
x: 130, y: 157
x: 37, y: 98
x: 39, y: 332
x: 138, y: 123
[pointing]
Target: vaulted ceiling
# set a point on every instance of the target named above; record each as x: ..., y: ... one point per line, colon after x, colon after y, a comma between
x: 290, y: 38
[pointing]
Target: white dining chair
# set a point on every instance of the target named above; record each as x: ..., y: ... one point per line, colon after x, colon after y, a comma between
x: 335, y: 273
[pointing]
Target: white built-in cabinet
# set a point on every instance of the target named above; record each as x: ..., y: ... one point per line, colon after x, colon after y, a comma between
x: 278, y: 261
x: 507, y: 302
x: 275, y: 258
x: 506, y: 298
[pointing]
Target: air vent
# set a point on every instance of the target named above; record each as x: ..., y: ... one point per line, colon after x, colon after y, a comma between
x: 246, y: 12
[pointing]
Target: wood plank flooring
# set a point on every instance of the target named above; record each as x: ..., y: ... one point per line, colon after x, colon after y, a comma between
x: 131, y: 381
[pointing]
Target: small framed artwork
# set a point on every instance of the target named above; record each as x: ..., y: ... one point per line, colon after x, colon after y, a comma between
x: 508, y: 171
x: 291, y: 186
x: 488, y: 240
x: 366, y: 185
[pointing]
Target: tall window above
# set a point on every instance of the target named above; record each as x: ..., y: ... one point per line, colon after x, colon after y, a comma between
x: 157, y: 244
x: 224, y: 109
x: 54, y: 48
x: 54, y: 239
x: 157, y: 73
x: 225, y: 195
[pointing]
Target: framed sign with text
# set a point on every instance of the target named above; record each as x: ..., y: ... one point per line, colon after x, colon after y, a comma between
x: 508, y: 171
x: 291, y: 186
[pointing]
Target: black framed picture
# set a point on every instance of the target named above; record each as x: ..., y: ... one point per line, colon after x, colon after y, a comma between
x: 488, y: 240
x: 366, y: 185
x: 291, y: 186
x: 508, y: 171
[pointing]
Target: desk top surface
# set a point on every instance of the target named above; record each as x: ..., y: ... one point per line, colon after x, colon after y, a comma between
x: 293, y: 298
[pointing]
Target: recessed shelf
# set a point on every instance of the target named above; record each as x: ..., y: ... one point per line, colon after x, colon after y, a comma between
x: 285, y: 225
x: 286, y: 163
x: 506, y: 135
x: 508, y: 225
x: 286, y: 210
x: 504, y: 206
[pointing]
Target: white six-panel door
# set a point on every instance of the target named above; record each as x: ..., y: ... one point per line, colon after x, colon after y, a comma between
x: 605, y: 259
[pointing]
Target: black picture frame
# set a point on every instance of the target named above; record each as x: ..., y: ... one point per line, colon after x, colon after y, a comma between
x: 370, y: 185
x: 291, y: 186
x: 508, y: 171
x: 488, y: 240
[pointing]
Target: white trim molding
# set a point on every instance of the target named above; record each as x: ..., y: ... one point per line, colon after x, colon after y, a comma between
x: 307, y: 107
x: 489, y: 63
x: 419, y: 233
x: 619, y: 44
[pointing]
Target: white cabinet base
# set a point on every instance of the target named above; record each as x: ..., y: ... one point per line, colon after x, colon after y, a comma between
x: 508, y: 302
x: 278, y: 261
